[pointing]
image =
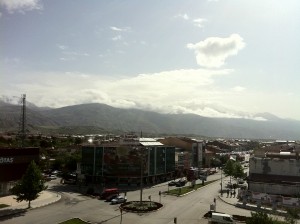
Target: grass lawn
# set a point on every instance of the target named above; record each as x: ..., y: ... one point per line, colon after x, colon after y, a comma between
x: 3, y: 205
x: 74, y: 221
x: 186, y: 189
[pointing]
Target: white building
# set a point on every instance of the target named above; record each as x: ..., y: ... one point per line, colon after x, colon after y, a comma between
x: 276, y: 173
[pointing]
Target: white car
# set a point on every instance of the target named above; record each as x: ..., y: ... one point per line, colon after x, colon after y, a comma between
x: 52, y: 177
x: 119, y: 199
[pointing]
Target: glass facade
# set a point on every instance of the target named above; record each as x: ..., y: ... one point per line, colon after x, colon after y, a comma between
x: 125, y: 162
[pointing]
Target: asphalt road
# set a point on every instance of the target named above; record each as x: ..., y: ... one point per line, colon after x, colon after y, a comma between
x: 187, y: 209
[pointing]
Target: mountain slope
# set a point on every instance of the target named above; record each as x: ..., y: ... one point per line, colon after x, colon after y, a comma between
x: 114, y: 119
x: 10, y: 117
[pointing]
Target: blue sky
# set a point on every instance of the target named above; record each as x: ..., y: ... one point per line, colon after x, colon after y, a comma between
x: 213, y: 58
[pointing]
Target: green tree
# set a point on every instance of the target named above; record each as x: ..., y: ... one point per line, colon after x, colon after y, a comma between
x: 238, y: 170
x: 234, y: 169
x: 215, y: 162
x: 229, y: 168
x: 78, y: 141
x: 223, y: 159
x: 292, y: 215
x: 262, y: 217
x: 30, y: 186
x: 45, y: 143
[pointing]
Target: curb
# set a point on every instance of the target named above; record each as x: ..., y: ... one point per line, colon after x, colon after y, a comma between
x: 252, y: 208
x: 221, y: 198
x: 10, y: 211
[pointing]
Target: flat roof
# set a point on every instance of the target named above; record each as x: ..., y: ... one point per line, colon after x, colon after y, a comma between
x: 151, y: 143
x: 220, y: 214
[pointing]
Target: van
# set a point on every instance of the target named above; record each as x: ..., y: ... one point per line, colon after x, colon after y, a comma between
x: 109, y: 191
x: 221, y: 218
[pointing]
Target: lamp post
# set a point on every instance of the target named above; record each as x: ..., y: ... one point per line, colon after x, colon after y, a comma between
x: 141, y: 184
x: 94, y: 165
x: 221, y: 182
x: 142, y: 157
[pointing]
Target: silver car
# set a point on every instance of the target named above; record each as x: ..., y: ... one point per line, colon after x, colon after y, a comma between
x: 119, y: 199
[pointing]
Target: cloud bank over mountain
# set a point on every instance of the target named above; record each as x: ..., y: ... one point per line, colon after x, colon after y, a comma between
x: 211, y: 58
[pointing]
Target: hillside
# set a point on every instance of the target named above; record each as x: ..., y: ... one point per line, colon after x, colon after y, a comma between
x: 96, y: 117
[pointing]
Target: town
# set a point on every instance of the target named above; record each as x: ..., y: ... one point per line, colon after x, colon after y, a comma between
x: 244, y: 173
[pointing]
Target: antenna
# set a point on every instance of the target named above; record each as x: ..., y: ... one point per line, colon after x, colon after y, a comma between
x: 22, y: 122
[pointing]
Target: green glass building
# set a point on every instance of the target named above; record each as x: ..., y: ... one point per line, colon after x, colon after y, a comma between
x: 127, y: 163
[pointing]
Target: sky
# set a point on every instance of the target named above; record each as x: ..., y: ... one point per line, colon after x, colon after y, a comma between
x: 225, y: 58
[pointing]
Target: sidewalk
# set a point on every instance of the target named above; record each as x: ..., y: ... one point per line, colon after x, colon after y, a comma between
x: 253, y: 207
x: 45, y: 198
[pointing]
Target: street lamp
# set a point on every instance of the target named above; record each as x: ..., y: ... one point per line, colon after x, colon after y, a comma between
x: 141, y: 184
x: 221, y: 183
x: 142, y: 155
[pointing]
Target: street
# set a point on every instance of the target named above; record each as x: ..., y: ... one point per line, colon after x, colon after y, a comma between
x: 187, y: 209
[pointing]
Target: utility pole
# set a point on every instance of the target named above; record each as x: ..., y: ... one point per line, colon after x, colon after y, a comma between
x: 221, y: 182
x: 141, y: 185
x: 22, y: 122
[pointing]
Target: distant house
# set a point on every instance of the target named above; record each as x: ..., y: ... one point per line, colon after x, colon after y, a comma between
x: 224, y: 145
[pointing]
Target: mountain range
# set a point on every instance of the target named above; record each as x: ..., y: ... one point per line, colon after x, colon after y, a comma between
x: 96, y: 117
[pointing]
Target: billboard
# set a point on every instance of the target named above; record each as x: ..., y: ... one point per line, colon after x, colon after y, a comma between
x: 14, y: 162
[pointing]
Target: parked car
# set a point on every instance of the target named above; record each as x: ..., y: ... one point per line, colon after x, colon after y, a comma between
x: 111, y: 197
x: 52, y: 177
x: 172, y: 183
x: 119, y: 199
x: 109, y: 191
x: 221, y: 218
x: 180, y: 183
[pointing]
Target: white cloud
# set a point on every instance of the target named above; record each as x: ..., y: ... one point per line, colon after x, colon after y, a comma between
x: 120, y: 29
x: 68, y: 55
x: 67, y: 59
x: 213, y: 51
x: 199, y: 22
x: 21, y: 5
x: 183, y: 16
x: 62, y: 47
x: 174, y: 89
x: 238, y: 88
x: 116, y: 38
x: 179, y: 91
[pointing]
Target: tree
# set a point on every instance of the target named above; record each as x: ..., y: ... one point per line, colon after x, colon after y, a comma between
x: 233, y: 168
x: 238, y: 170
x: 292, y: 215
x: 31, y: 184
x: 78, y: 141
x: 229, y: 168
x: 215, y: 162
x: 262, y: 217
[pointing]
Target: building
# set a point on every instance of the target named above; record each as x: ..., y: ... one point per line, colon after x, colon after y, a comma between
x: 13, y: 164
x: 224, y: 145
x: 195, y: 149
x: 276, y: 172
x: 127, y: 161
